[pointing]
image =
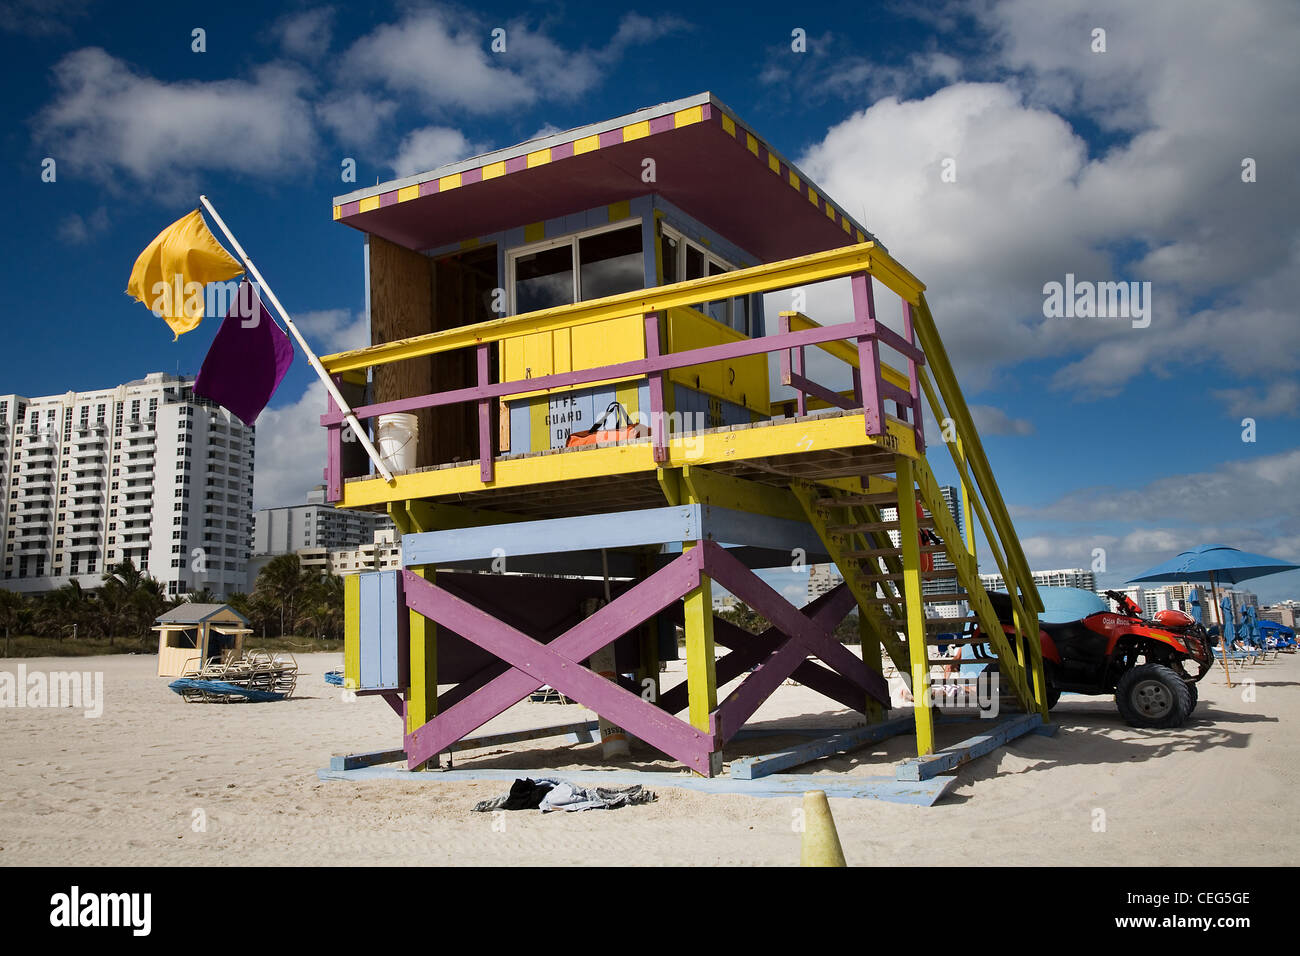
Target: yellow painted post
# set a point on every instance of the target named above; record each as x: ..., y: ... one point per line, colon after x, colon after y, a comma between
x: 871, y: 657
x: 701, y: 674
x: 968, y: 524
x: 351, y: 631
x: 918, y: 652
x: 422, y: 691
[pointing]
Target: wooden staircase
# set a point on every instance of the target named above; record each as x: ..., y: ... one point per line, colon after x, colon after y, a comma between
x: 886, y: 579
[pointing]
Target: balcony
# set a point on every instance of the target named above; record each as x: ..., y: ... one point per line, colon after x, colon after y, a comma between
x: 650, y: 341
x: 83, y: 546
x: 31, y: 547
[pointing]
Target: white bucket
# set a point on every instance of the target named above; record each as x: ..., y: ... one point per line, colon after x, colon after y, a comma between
x: 397, y: 437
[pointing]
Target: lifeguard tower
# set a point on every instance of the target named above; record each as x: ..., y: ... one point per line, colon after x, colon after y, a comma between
x: 512, y: 298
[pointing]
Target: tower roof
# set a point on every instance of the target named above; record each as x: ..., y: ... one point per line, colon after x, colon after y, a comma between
x: 706, y: 161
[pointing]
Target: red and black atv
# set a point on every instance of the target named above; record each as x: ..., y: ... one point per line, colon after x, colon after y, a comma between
x: 1142, y: 662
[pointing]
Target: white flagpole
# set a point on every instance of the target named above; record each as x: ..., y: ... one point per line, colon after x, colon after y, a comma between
x: 350, y: 418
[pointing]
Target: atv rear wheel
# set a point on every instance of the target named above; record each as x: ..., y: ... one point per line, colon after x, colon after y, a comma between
x: 1153, y: 696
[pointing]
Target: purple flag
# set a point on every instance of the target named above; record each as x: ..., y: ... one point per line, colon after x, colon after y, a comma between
x: 247, y: 360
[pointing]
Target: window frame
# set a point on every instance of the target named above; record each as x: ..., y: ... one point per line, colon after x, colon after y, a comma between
x: 571, y: 240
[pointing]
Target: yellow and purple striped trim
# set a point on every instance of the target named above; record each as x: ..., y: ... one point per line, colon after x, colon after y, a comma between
x: 704, y: 113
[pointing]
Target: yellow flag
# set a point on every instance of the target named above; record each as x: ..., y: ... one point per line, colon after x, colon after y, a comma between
x: 170, y: 274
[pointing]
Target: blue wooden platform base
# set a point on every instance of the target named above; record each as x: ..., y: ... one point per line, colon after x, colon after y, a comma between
x: 946, y: 761
x: 923, y: 793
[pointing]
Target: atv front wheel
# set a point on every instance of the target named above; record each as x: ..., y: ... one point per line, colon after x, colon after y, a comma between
x: 1195, y: 698
x: 1153, y: 696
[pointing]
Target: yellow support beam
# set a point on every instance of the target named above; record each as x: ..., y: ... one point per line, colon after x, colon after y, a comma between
x: 351, y: 631
x: 422, y: 692
x: 869, y: 643
x: 936, y: 357
x: 701, y: 672
x: 722, y: 491
x: 908, y: 532
x: 787, y: 273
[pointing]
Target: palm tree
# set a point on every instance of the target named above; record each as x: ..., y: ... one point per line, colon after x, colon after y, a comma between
x: 322, y: 606
x: 131, y: 600
x: 206, y: 596
x: 282, y: 582
x: 13, y: 609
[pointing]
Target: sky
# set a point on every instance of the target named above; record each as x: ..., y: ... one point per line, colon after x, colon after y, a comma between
x: 994, y: 146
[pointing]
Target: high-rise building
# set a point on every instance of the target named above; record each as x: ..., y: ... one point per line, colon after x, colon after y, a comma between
x: 1062, y: 578
x: 940, y: 582
x: 143, y: 471
x: 821, y: 579
x: 315, y: 524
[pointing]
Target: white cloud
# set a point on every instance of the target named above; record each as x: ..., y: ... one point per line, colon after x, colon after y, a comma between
x: 1029, y: 204
x: 76, y: 229
x: 429, y: 148
x: 110, y: 122
x: 307, y: 34
x: 1280, y: 398
x: 355, y: 118
x: 290, y: 450
x: 334, y: 330
x: 441, y: 59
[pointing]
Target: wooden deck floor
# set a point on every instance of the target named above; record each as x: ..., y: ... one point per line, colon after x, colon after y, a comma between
x: 623, y: 492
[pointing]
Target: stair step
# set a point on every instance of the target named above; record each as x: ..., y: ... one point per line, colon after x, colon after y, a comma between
x: 845, y: 501
x: 890, y: 552
x: 925, y: 575
x: 936, y: 624
x: 943, y: 597
x: 959, y: 642
x: 878, y: 526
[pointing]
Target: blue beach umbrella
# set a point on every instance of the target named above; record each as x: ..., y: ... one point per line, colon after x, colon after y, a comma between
x: 1212, y: 563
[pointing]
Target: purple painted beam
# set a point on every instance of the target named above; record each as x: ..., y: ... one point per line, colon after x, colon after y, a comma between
x: 633, y: 369
x: 756, y: 688
x: 658, y: 421
x: 640, y: 602
x: 485, y: 456
x: 541, y: 663
x: 334, y: 454
x: 816, y: 639
x: 864, y: 313
x: 747, y: 650
x: 914, y: 385
x: 809, y: 387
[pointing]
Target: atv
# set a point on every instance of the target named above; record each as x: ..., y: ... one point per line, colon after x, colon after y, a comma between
x: 1144, y: 663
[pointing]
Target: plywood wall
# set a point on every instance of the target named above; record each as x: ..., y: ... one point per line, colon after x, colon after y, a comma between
x: 401, y: 305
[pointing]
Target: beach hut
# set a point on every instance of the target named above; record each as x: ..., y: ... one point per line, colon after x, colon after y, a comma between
x: 574, y: 346
x: 194, y: 634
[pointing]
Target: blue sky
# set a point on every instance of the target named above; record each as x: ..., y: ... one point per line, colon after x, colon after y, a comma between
x: 1123, y: 164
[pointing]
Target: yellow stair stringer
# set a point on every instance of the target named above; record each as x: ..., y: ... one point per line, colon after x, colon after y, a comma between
x: 968, y: 576
x: 835, y: 547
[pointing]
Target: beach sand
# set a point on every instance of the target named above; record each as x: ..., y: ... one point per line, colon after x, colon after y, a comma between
x: 129, y: 786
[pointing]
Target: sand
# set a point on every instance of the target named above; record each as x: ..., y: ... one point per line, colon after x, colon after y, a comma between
x: 132, y: 787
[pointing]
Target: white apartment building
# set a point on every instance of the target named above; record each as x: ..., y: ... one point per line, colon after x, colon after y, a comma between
x: 315, y: 525
x: 382, y: 553
x: 942, y: 583
x: 142, y: 471
x: 821, y: 579
x: 1062, y: 578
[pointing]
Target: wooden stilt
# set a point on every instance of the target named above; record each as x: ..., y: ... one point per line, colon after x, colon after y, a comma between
x: 910, y: 545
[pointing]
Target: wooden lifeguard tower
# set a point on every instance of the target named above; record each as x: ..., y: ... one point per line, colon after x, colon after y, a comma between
x: 515, y: 295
